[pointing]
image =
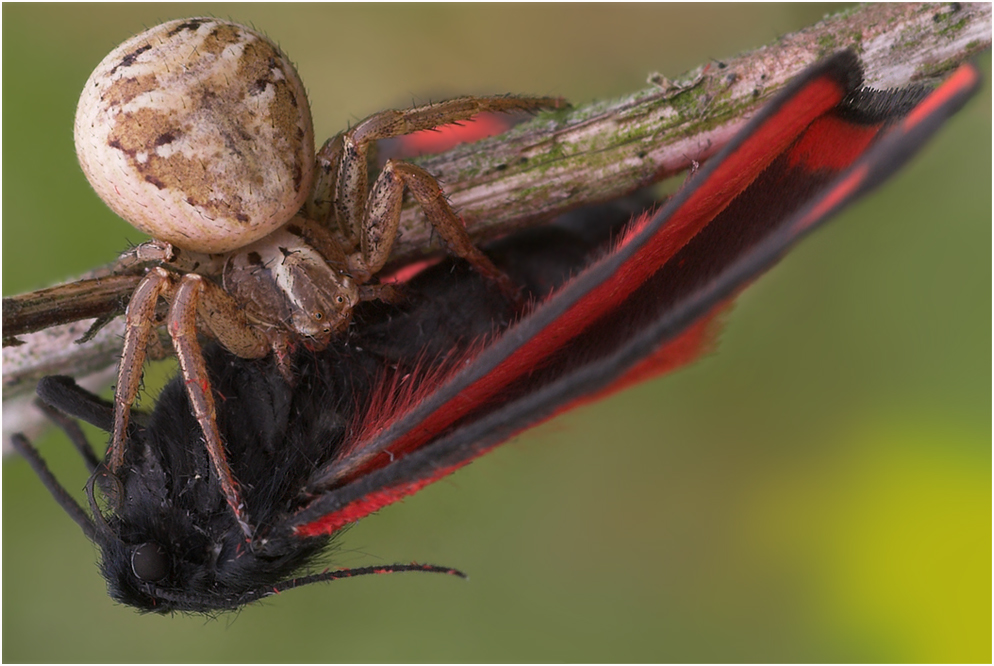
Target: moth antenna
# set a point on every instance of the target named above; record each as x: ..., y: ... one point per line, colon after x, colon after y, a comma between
x: 195, y: 600
x: 337, y: 574
x: 61, y: 495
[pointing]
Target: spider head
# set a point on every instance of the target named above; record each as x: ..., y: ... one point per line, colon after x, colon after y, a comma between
x: 320, y: 310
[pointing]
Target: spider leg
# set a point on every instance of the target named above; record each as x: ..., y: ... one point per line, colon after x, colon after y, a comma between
x: 321, y: 239
x: 353, y: 146
x: 220, y: 314
x: 388, y: 293
x: 139, y: 326
x: 320, y: 205
x: 371, y: 222
x: 382, y: 217
x: 194, y: 296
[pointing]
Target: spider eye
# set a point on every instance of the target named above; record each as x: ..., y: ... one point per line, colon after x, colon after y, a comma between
x: 150, y: 562
x: 318, y: 316
x: 339, y: 299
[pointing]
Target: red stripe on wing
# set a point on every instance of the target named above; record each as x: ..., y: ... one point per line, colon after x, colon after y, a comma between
x: 964, y: 79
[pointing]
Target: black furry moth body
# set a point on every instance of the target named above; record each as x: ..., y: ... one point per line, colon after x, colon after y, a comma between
x: 418, y: 389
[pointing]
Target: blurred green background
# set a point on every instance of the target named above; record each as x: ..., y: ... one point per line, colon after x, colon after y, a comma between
x: 818, y: 489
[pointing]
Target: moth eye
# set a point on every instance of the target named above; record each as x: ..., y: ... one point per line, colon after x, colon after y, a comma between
x: 150, y: 562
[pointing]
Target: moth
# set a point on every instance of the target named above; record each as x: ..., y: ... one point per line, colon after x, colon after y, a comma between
x: 421, y: 388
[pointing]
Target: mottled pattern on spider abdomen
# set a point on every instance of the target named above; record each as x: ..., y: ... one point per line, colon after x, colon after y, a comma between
x: 198, y: 132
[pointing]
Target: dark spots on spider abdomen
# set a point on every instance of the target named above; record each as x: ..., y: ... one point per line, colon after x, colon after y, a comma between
x: 232, y: 145
x: 116, y: 145
x: 254, y: 258
x: 209, y: 100
x: 258, y: 87
x: 129, y: 59
x: 191, y: 25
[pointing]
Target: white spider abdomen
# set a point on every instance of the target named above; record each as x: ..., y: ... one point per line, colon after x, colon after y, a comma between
x: 198, y: 132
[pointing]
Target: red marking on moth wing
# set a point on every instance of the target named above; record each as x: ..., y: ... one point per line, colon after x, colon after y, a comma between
x: 708, y: 199
x: 633, y: 229
x: 405, y: 273
x: 837, y: 196
x: 831, y: 143
x: 962, y: 79
x: 395, y: 395
x: 369, y: 504
x: 443, y: 138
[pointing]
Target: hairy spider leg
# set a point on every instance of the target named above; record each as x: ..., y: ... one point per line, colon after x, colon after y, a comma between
x: 138, y: 328
x: 371, y: 221
x: 222, y: 316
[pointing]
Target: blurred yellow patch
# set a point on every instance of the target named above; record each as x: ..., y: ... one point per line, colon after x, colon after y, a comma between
x: 892, y: 530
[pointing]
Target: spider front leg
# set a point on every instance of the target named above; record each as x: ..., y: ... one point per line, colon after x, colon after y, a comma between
x: 371, y: 221
x: 191, y: 296
x: 196, y: 295
x: 139, y: 326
